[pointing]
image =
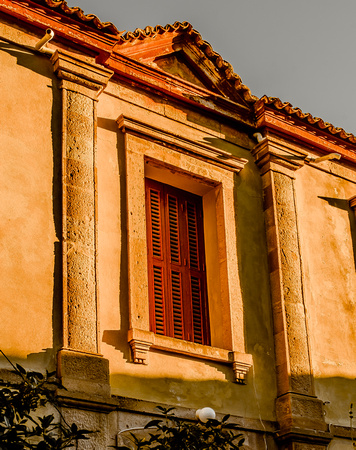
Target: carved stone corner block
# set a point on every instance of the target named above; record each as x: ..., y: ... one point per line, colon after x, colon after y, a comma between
x: 140, y: 342
x: 79, y: 71
x: 300, y: 412
x: 84, y: 372
x: 352, y: 203
x: 241, y: 365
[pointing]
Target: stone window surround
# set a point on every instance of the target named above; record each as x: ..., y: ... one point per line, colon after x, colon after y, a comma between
x: 209, y: 172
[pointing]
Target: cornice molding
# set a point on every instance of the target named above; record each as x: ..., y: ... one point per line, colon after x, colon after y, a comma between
x: 64, y: 27
x: 273, y: 154
x: 76, y: 71
x: 213, y: 155
x: 161, y: 82
x: 297, y: 131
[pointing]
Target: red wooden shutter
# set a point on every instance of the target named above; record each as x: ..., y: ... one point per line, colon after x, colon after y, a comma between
x: 154, y: 205
x: 177, y: 281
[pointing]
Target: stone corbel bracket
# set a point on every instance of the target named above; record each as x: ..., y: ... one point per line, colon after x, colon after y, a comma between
x: 240, y: 367
x: 140, y: 351
x: 352, y: 203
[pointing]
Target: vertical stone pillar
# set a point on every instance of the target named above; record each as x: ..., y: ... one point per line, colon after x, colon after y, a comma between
x: 299, y: 412
x: 81, y: 83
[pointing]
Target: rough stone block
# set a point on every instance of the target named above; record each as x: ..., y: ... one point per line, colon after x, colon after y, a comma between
x: 84, y: 373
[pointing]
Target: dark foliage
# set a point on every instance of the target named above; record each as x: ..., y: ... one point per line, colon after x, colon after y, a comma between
x: 170, y: 433
x: 20, y: 428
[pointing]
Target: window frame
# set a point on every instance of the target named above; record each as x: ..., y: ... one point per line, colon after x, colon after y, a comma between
x: 165, y: 155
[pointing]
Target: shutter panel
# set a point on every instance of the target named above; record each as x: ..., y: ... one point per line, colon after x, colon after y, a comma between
x: 156, y: 274
x: 174, y: 247
x: 197, y: 277
x: 177, y: 281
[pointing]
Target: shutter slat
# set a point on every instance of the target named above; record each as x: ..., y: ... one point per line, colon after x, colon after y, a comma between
x: 192, y: 236
x: 158, y: 300
x: 176, y: 286
x: 173, y: 229
x: 197, y: 310
x: 155, y: 223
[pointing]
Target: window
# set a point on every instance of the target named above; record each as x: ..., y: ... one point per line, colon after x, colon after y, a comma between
x: 183, y: 171
x: 176, y: 263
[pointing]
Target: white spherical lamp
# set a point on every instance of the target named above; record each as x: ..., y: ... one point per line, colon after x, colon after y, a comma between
x: 205, y: 414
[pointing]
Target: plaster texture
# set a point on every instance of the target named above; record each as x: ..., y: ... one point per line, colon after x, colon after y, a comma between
x: 82, y: 126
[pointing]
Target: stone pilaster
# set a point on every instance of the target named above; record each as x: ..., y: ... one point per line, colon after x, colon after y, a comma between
x: 297, y: 408
x: 81, y: 83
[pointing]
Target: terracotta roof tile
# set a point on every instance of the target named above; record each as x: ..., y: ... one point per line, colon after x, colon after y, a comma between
x: 186, y: 27
x: 287, y: 108
x: 77, y: 13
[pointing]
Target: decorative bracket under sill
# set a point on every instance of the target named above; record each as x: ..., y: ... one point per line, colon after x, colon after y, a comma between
x: 241, y: 370
x: 140, y: 351
x: 141, y: 342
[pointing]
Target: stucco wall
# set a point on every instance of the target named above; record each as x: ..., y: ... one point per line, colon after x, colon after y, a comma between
x: 327, y: 236
x: 29, y: 244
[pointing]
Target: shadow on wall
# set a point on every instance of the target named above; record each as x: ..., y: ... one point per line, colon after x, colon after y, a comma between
x: 345, y: 206
x: 40, y: 64
x: 256, y: 417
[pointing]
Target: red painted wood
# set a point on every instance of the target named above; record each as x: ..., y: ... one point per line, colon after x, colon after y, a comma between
x: 177, y: 280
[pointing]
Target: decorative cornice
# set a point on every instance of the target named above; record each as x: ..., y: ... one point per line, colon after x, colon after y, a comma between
x: 185, y: 28
x: 286, y: 107
x: 274, y: 116
x: 80, y: 72
x: 202, y: 151
x: 273, y: 154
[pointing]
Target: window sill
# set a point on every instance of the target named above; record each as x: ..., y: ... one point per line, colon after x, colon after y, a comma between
x: 141, y: 341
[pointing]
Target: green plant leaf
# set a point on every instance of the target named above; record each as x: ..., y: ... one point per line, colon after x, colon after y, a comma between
x: 20, y: 369
x: 153, y: 423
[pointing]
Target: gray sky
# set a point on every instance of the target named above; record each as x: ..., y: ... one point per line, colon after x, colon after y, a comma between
x: 302, y: 51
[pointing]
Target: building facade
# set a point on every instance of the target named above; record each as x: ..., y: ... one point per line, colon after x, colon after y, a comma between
x: 167, y: 238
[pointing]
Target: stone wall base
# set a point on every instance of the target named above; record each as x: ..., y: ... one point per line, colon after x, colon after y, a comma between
x: 303, y: 439
x: 84, y: 373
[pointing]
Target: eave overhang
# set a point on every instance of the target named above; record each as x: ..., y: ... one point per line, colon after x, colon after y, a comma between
x: 168, y: 85
x: 104, y: 47
x: 66, y: 30
x: 286, y: 124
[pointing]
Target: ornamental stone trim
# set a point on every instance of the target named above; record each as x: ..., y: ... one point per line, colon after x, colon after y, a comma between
x: 82, y: 81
